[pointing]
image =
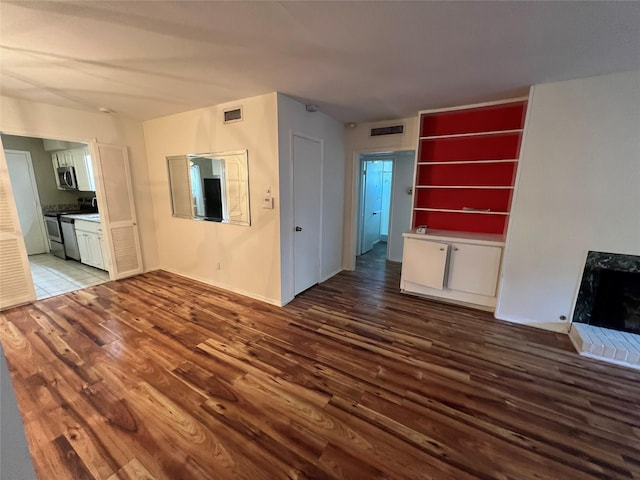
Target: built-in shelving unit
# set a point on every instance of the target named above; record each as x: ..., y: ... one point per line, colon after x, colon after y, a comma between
x: 466, y: 166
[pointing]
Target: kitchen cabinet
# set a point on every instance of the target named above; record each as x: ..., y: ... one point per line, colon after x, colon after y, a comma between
x: 84, y: 169
x: 80, y: 160
x: 452, y: 266
x: 62, y: 159
x: 90, y: 244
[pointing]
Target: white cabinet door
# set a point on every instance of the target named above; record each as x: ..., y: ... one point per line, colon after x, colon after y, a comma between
x: 56, y: 164
x: 84, y: 172
x: 474, y: 268
x: 83, y: 248
x: 424, y: 262
x: 103, y: 252
x: 65, y: 158
x: 95, y: 250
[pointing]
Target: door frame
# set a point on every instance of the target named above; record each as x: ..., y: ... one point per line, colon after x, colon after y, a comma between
x: 292, y: 216
x: 34, y: 185
x: 382, y: 158
x: 355, y: 224
x: 86, y: 141
x: 359, y: 207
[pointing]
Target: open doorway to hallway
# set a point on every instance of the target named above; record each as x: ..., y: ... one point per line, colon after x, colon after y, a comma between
x: 385, y: 203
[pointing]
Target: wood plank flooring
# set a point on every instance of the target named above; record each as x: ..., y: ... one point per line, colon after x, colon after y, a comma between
x: 161, y: 377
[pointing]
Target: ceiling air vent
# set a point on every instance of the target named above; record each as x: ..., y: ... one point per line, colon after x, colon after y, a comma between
x: 233, y: 115
x: 392, y: 130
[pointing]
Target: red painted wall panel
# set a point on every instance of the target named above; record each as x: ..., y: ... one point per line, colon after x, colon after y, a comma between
x: 508, y: 116
x: 457, y: 199
x: 483, y: 147
x: 483, y: 174
x: 462, y: 222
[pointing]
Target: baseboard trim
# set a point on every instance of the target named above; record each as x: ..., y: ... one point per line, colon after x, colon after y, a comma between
x: 224, y: 286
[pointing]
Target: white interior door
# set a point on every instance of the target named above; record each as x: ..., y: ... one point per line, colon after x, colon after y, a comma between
x: 307, y: 211
x: 117, y: 210
x: 372, y: 204
x: 25, y: 194
x: 16, y: 285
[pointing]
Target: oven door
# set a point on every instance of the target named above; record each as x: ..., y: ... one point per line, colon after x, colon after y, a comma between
x: 53, y: 228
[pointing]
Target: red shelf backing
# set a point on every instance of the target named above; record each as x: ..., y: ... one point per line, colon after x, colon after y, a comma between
x: 465, y: 174
x: 483, y: 138
x: 507, y: 116
x: 457, y: 199
x: 482, y: 147
x: 461, y: 222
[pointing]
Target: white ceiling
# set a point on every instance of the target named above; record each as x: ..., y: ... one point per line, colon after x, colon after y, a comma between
x: 358, y: 61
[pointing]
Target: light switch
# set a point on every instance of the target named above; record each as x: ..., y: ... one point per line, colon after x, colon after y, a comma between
x: 267, y: 199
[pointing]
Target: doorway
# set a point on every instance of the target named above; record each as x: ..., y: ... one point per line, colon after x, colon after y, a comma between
x: 32, y: 164
x: 385, y: 203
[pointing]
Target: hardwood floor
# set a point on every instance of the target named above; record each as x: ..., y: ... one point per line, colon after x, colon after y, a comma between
x: 161, y: 377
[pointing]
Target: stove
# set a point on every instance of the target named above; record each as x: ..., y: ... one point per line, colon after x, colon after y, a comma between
x: 54, y: 228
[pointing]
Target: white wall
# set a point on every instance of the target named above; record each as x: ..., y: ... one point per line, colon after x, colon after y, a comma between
x: 357, y: 141
x: 249, y: 257
x: 578, y: 190
x: 293, y: 118
x: 43, y: 172
x: 20, y: 117
x: 401, y: 206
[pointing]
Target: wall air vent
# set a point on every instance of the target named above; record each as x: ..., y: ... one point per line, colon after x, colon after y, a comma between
x: 233, y: 115
x: 391, y: 130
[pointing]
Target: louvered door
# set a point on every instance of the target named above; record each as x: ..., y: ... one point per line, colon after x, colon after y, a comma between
x: 16, y: 285
x: 117, y: 210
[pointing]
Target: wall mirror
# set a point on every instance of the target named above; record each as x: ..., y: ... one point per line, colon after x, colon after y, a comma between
x: 210, y: 186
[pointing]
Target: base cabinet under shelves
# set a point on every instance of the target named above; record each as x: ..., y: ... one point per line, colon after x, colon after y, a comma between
x: 456, y: 271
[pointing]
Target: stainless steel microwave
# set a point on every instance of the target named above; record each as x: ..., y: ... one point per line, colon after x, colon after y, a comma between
x: 67, y: 178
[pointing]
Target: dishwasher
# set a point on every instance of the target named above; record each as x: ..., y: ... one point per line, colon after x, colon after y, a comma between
x: 71, y: 249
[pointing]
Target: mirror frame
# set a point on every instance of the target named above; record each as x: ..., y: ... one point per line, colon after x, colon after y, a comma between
x: 185, y: 159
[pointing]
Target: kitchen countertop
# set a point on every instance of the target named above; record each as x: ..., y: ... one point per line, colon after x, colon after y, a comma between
x: 87, y: 217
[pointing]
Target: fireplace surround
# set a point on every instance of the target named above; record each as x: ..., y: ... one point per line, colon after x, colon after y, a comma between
x: 606, y: 317
x: 609, y: 294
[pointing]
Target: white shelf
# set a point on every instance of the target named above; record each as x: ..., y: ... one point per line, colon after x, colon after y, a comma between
x: 480, y: 187
x: 455, y: 236
x: 446, y: 210
x: 474, y: 134
x: 468, y: 162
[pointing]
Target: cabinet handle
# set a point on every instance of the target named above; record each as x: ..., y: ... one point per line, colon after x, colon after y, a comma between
x: 455, y: 248
x: 442, y: 249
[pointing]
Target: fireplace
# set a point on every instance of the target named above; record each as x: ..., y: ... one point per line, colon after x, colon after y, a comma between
x: 606, y: 319
x: 609, y: 294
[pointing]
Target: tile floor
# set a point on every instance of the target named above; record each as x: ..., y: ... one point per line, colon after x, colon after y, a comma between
x: 54, y: 276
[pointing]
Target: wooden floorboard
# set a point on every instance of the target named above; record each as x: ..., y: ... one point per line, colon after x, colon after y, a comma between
x: 161, y: 377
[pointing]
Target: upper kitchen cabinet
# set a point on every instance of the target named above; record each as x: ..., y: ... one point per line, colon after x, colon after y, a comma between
x: 80, y: 160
